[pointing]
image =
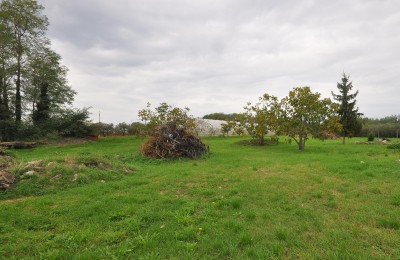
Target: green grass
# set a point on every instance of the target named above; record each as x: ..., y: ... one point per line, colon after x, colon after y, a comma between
x: 331, y: 201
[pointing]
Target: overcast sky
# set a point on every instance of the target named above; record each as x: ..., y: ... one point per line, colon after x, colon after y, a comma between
x: 216, y: 55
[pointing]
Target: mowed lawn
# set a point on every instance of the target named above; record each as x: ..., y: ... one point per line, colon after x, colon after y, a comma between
x: 103, y: 200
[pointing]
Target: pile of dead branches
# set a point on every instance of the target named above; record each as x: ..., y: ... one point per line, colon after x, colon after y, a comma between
x: 170, y: 141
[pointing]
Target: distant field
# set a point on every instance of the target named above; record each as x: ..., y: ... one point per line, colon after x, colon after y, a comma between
x: 104, y: 200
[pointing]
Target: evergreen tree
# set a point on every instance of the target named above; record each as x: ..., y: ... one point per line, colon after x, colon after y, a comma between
x: 347, y: 112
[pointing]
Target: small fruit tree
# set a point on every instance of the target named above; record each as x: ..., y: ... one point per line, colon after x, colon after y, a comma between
x: 304, y: 114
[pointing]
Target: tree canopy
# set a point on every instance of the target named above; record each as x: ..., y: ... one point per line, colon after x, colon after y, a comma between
x: 33, y: 84
x: 304, y: 114
x: 261, y: 118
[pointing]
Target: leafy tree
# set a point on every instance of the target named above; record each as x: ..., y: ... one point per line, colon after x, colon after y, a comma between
x: 45, y: 69
x: 235, y: 126
x: 72, y: 122
x: 136, y: 128
x: 106, y: 129
x: 166, y: 114
x: 347, y: 112
x: 122, y: 128
x: 226, y: 128
x: 27, y: 25
x: 221, y: 116
x: 382, y: 127
x: 304, y: 114
x: 31, y: 75
x: 6, y: 68
x: 260, y: 119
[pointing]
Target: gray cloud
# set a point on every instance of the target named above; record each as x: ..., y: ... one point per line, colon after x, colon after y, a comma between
x: 214, y: 56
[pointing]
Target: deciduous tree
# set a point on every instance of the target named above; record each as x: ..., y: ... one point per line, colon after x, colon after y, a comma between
x: 166, y: 114
x: 261, y: 118
x: 304, y: 114
x: 27, y: 24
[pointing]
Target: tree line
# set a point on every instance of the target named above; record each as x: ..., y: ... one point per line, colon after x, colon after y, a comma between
x: 35, y: 98
x: 387, y: 127
x: 300, y: 115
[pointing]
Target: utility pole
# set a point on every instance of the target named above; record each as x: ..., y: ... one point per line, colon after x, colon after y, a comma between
x: 99, y: 117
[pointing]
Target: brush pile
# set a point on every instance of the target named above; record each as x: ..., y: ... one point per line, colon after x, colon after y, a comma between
x: 170, y: 141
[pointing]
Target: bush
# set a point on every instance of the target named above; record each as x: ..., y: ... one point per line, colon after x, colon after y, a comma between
x: 394, y: 146
x: 371, y: 137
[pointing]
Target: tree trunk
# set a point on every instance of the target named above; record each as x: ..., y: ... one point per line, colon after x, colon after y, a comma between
x: 18, y: 107
x: 5, y: 100
x: 344, y: 138
x: 261, y: 140
x: 301, y: 143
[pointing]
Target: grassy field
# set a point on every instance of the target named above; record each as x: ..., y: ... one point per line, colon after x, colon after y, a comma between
x: 104, y: 200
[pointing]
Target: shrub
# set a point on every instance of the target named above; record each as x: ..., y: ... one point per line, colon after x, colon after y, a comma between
x: 371, y: 137
x: 394, y: 146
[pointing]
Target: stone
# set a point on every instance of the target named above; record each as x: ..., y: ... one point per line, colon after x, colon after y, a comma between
x: 51, y: 164
x: 30, y: 173
x: 33, y: 163
x: 56, y: 177
x: 75, y: 177
x: 6, y: 180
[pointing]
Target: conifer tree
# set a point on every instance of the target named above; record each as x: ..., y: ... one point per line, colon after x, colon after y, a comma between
x: 348, y: 112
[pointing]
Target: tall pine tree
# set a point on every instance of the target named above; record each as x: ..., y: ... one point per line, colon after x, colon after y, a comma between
x: 348, y: 112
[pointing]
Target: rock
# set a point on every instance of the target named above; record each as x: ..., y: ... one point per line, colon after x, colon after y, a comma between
x: 33, y: 163
x: 29, y: 173
x: 75, y: 177
x: 6, y: 180
x: 127, y: 170
x: 56, y: 177
x: 51, y: 164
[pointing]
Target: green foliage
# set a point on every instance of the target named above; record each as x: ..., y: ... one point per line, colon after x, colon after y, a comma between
x: 386, y: 127
x: 42, y: 112
x: 122, y: 128
x: 226, y: 128
x: 165, y: 114
x: 33, y: 83
x: 394, y: 146
x: 261, y: 118
x: 304, y: 114
x: 23, y: 19
x: 64, y: 123
x: 348, y: 113
x: 222, y: 116
x: 371, y: 137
